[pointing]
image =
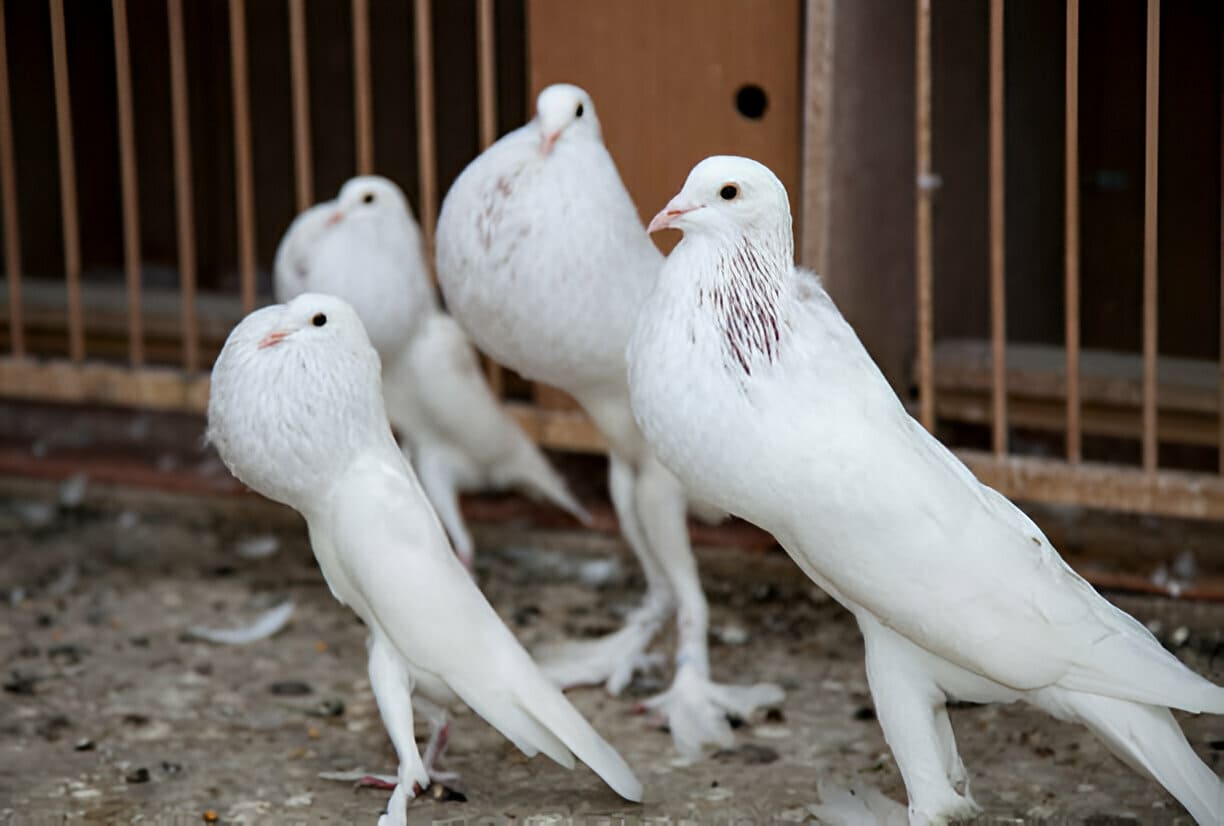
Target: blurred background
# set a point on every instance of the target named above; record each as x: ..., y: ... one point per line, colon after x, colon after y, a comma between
x: 1017, y: 205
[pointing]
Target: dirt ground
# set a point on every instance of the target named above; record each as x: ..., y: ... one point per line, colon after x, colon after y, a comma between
x: 111, y: 714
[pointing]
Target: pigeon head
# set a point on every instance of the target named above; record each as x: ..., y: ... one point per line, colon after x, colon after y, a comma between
x: 371, y: 205
x: 737, y: 251
x: 295, y: 394
x: 565, y: 112
x: 728, y: 199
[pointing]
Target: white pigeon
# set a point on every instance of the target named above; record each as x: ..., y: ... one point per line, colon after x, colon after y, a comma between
x: 758, y: 394
x: 543, y: 260
x: 296, y: 413
x: 365, y: 247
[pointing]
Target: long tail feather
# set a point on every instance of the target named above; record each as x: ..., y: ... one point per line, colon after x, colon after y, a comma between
x: 1147, y: 738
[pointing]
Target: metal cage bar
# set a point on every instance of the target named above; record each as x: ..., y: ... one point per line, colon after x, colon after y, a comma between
x: 303, y: 169
x: 486, y: 53
x: 998, y: 239
x: 486, y: 74
x: 363, y: 103
x: 68, y: 186
x: 127, y: 174
x: 183, y: 209
x: 244, y: 187
x: 1151, y: 139
x: 8, y: 200
x: 924, y: 265
x: 426, y: 152
x: 1071, y: 238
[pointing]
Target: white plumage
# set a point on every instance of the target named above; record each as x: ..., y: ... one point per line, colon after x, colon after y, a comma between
x: 296, y: 412
x: 543, y: 260
x: 758, y: 394
x: 365, y: 247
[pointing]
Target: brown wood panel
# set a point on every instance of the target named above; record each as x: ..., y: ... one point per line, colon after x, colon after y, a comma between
x: 664, y: 77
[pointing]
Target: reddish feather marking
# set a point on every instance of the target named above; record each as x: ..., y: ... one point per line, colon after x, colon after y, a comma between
x: 746, y: 302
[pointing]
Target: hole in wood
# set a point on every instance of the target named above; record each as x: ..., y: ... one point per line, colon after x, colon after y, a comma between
x: 751, y: 101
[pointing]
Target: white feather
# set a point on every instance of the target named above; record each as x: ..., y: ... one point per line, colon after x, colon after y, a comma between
x: 542, y: 259
x: 365, y: 247
x: 296, y: 413
x: 958, y: 593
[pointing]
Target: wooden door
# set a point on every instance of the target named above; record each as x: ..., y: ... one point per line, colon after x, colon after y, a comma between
x: 675, y: 81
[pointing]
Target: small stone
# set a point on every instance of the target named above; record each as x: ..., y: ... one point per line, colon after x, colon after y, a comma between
x: 140, y: 775
x: 209, y: 816
x: 257, y: 547
x: 1179, y: 636
x: 170, y: 768
x: 730, y: 635
x: 19, y: 683
x: 66, y: 653
x: 525, y: 615
x: 327, y: 708
x: 445, y: 794
x: 290, y: 688
x: 84, y: 744
x: 72, y: 491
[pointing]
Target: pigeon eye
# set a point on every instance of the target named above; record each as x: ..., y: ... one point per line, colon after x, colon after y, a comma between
x: 578, y: 112
x: 729, y: 192
x: 319, y: 320
x: 368, y: 198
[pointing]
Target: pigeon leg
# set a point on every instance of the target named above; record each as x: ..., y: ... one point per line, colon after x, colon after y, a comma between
x: 392, y: 687
x: 953, y: 765
x: 439, y: 736
x: 907, y: 701
x: 613, y: 659
x: 695, y: 708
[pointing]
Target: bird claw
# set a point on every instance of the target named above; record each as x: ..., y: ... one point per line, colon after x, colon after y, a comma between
x: 611, y: 660
x: 696, y: 709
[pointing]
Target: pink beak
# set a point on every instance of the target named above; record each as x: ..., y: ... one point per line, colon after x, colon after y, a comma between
x: 335, y: 218
x: 272, y: 339
x: 548, y: 141
x: 668, y: 215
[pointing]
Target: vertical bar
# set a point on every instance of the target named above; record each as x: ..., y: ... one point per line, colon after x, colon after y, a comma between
x: 8, y: 197
x: 998, y: 241
x: 303, y: 170
x: 68, y: 191
x: 1220, y: 404
x: 925, y: 264
x: 182, y: 186
x: 242, y: 152
x: 1152, y: 135
x: 487, y: 72
x: 127, y: 174
x: 487, y: 93
x: 1071, y: 262
x: 362, y: 96
x: 425, y: 123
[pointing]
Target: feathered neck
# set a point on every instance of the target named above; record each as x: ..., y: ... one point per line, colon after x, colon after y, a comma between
x: 741, y: 281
